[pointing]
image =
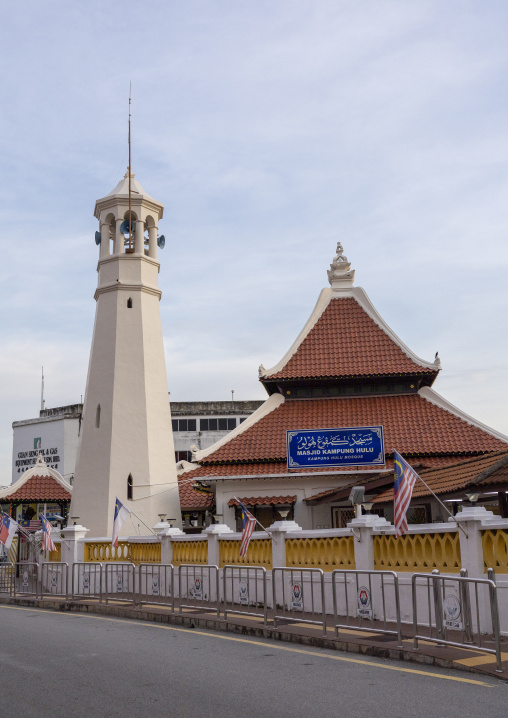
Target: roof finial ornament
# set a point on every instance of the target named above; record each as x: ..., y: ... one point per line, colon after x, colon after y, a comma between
x: 340, y: 274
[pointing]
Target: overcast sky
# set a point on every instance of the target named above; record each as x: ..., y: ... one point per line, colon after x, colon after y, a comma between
x: 269, y: 130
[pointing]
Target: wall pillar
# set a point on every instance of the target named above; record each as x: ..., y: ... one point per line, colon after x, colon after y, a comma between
x: 104, y: 246
x: 166, y: 533
x: 119, y: 247
x: 213, y: 534
x: 278, y: 531
x: 471, y: 549
x: 152, y: 242
x: 73, y: 545
x: 363, y: 528
x: 139, y: 240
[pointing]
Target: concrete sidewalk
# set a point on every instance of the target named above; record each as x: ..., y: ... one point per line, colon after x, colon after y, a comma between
x: 293, y: 630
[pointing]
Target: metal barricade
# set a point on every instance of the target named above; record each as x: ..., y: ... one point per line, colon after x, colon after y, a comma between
x: 450, y: 608
x: 198, y: 587
x: 303, y: 585
x: 6, y: 578
x: 249, y: 594
x: 155, y: 584
x: 54, y: 579
x: 118, y: 583
x: 27, y: 577
x: 369, y: 604
x: 87, y: 580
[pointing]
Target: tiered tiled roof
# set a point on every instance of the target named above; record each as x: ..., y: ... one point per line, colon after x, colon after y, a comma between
x: 347, y: 368
x: 39, y: 488
x: 346, y: 342
x: 476, y: 472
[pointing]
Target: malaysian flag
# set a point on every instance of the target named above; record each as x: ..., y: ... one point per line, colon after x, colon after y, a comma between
x: 248, y: 525
x: 405, y: 478
x: 47, y: 541
x: 31, y: 525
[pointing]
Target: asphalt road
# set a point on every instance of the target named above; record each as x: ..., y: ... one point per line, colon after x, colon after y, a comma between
x: 63, y: 664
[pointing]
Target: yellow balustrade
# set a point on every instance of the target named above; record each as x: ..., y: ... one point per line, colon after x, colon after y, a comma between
x: 259, y: 553
x: 420, y: 553
x: 56, y: 556
x: 326, y: 553
x: 190, y: 552
x: 495, y: 549
x: 125, y: 551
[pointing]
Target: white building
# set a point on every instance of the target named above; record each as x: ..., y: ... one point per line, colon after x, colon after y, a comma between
x: 54, y: 434
x: 202, y: 423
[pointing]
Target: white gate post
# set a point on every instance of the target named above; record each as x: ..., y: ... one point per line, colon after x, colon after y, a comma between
x: 212, y: 534
x: 166, y: 534
x: 363, y: 530
x: 73, y: 545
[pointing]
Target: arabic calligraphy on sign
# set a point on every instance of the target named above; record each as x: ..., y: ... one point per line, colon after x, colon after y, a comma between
x: 336, y: 447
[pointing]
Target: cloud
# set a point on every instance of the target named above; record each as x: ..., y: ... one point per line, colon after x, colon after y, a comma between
x: 269, y: 131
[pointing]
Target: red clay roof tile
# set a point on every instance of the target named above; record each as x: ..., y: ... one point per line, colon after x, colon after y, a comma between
x: 264, y: 501
x: 412, y: 425
x: 40, y: 488
x: 346, y: 342
x: 190, y: 499
x: 455, y: 477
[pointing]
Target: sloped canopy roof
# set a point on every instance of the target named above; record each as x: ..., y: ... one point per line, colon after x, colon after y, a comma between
x: 471, y: 473
x: 345, y: 337
x: 347, y: 342
x: 413, y: 424
x: 39, y: 483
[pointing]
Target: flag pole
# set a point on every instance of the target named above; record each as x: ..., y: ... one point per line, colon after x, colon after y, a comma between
x: 148, y: 527
x: 439, y: 502
x: 445, y: 508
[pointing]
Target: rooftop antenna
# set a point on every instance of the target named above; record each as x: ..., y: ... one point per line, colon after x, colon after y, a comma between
x: 130, y: 215
x: 42, y: 390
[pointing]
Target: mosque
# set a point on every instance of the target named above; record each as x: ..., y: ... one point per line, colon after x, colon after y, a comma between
x: 346, y: 369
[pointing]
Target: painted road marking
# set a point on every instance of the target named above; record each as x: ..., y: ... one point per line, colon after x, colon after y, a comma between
x: 264, y: 644
x: 481, y: 660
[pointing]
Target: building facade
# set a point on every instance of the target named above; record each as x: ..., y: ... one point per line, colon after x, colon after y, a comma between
x: 54, y: 434
x: 346, y: 369
x: 200, y: 424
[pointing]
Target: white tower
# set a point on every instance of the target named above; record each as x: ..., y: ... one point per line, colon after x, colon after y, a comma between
x: 126, y: 446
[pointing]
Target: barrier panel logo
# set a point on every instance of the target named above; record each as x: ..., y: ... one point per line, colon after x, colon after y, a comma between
x: 198, y: 589
x: 452, y: 611
x: 364, y: 609
x: 243, y: 592
x: 297, y: 597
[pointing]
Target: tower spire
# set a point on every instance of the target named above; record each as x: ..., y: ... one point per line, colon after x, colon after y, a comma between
x: 130, y: 168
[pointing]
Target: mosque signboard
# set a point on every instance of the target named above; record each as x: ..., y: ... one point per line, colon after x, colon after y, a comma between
x: 326, y: 448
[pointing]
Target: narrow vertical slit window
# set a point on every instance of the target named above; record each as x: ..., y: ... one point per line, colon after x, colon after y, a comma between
x: 98, y: 416
x: 129, y: 487
x: 129, y: 303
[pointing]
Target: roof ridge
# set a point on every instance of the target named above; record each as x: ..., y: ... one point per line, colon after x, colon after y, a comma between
x: 269, y: 405
x: 427, y: 393
x: 362, y: 300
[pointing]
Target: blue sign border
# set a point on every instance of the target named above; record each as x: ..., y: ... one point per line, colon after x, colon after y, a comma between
x: 329, y: 448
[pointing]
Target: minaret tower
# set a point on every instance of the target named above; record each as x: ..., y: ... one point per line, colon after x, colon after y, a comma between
x: 126, y: 446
